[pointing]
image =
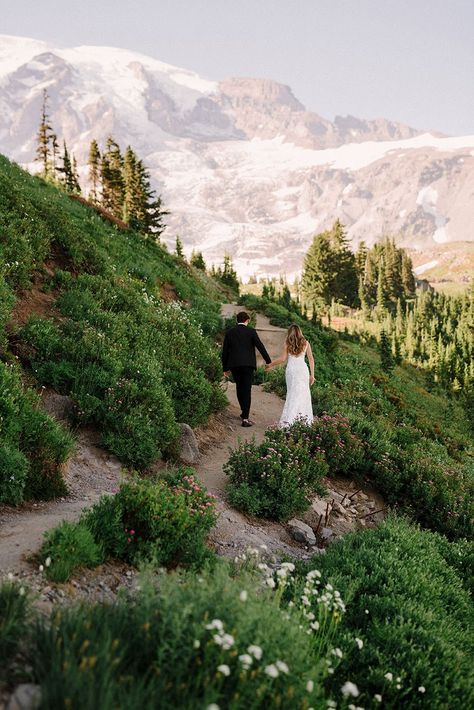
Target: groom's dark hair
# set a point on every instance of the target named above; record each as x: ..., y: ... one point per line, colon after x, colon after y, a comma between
x: 242, y: 317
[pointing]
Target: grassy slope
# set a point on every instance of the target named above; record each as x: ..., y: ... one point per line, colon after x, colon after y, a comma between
x: 97, y: 317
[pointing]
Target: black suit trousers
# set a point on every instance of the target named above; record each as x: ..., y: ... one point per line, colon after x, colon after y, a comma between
x: 243, y: 377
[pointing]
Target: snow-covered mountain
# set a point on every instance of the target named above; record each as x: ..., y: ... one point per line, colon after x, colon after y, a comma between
x: 242, y: 166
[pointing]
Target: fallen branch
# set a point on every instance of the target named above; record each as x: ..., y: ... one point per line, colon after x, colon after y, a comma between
x: 373, y: 512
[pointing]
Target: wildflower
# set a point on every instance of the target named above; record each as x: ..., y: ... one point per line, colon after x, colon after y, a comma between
x: 366, y: 611
x: 271, y: 582
x: 196, y: 643
x: 246, y: 660
x: 288, y: 565
x: 378, y: 697
x: 350, y: 689
x: 398, y: 686
x: 389, y: 676
x: 10, y: 576
x: 243, y: 596
x: 224, y: 669
x: 281, y: 665
x: 422, y: 689
x: 215, y: 624
x: 272, y: 671
x: 41, y: 568
x: 310, y: 686
x: 256, y: 651
x: 212, y: 706
x: 47, y: 561
x: 337, y: 652
x: 315, y: 625
x: 359, y: 642
x: 332, y: 704
x: 22, y: 592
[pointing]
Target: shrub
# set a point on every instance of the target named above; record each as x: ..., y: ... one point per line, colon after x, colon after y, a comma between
x: 277, y: 478
x: 14, y: 617
x: 33, y: 447
x: 67, y: 547
x: 182, y: 642
x: 163, y: 520
x: 407, y: 604
x: 13, y: 471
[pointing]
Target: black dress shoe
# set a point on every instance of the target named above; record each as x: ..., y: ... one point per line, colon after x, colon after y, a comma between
x: 247, y: 422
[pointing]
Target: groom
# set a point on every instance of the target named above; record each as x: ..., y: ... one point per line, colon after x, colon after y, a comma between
x: 238, y: 358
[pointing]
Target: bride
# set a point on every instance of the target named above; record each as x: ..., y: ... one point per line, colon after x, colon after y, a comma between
x: 298, y: 403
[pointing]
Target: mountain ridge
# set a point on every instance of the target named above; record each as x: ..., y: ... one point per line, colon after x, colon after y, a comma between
x: 243, y: 167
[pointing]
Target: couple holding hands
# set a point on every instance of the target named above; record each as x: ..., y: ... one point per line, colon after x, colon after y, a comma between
x: 238, y: 358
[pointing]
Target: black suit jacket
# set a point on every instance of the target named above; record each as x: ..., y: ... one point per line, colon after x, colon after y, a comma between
x: 239, y: 348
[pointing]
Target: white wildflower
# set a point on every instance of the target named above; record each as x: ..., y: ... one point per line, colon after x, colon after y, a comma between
x: 196, y: 643
x: 271, y: 582
x: 337, y: 652
x: 22, y: 592
x: 350, y: 689
x: 272, y: 671
x: 378, y: 697
x: 332, y: 704
x: 256, y: 651
x: 389, y: 676
x: 243, y: 596
x: 224, y: 669
x: 47, y: 561
x: 305, y: 600
x: 288, y: 565
x: 246, y: 660
x: 310, y: 686
x: 359, y: 642
x: 281, y: 665
x: 315, y: 625
x: 41, y: 568
x: 422, y: 689
x: 314, y: 573
x: 10, y: 576
x: 215, y: 624
x: 213, y: 706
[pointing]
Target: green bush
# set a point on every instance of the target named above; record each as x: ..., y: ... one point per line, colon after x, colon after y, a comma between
x: 67, y: 547
x: 14, y: 468
x: 186, y: 642
x: 277, y: 478
x: 407, y: 603
x: 166, y: 521
x: 33, y: 447
x: 14, y: 618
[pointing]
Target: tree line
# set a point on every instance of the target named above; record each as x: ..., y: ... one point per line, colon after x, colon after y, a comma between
x: 118, y: 182
x: 370, y: 278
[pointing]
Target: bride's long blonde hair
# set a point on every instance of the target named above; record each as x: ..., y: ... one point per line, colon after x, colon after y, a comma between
x: 295, y: 340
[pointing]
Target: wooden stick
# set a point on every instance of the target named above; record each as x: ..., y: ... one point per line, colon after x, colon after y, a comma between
x: 319, y: 523
x: 373, y: 512
x: 343, y: 498
x: 354, y: 494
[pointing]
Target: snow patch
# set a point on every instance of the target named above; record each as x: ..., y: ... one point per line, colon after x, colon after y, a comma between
x: 427, y: 198
x: 425, y: 267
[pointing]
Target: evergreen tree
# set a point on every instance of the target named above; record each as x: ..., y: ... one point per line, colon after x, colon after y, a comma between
x: 68, y: 177
x: 179, y: 250
x: 318, y: 271
x: 407, y: 276
x: 54, y: 154
x: 345, y: 282
x: 94, y: 171
x: 43, y: 139
x: 386, y: 358
x: 76, y: 185
x: 197, y: 260
x: 112, y: 179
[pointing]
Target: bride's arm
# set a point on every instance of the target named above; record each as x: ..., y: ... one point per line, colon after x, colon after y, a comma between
x: 309, y: 353
x: 279, y: 360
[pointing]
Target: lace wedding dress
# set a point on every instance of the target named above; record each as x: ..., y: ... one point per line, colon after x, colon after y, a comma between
x: 298, y: 403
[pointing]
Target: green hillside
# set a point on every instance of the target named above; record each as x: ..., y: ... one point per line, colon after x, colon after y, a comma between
x: 102, y: 315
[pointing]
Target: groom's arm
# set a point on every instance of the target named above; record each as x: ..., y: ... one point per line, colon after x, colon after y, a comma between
x: 225, y: 354
x: 261, y: 348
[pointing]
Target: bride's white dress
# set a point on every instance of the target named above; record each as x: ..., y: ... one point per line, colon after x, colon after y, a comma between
x: 298, y: 403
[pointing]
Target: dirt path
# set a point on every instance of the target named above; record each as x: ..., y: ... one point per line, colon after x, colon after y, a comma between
x: 89, y: 473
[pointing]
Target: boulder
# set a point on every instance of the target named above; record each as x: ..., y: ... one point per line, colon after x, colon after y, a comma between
x: 58, y: 406
x: 319, y: 506
x: 327, y: 534
x: 301, y: 532
x: 188, y: 446
x: 26, y: 696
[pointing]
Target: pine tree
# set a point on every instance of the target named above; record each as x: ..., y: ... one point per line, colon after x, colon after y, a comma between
x: 318, y: 271
x: 197, y: 260
x: 67, y: 179
x: 381, y: 292
x: 386, y: 358
x: 407, y: 276
x: 43, y: 138
x: 179, y: 249
x: 94, y: 171
x: 112, y: 178
x: 54, y: 154
x: 76, y: 185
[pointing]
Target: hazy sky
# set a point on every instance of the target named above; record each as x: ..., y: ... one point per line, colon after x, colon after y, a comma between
x: 407, y: 60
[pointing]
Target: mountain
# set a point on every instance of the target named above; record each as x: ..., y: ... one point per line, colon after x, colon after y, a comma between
x: 241, y: 164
